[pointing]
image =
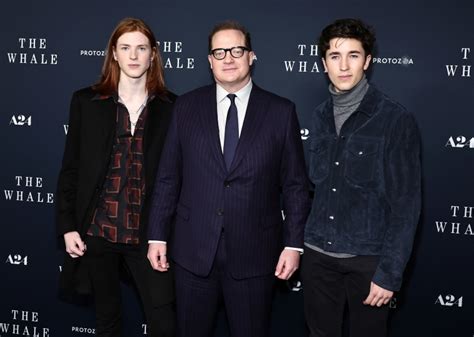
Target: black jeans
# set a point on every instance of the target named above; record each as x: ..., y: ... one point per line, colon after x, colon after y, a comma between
x: 104, y: 261
x: 328, y: 284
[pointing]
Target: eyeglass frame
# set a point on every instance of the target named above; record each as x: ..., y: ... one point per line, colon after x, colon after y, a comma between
x: 229, y: 50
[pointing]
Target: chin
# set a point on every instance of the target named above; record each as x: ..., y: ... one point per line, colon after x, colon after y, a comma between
x: 229, y: 80
x: 345, y: 87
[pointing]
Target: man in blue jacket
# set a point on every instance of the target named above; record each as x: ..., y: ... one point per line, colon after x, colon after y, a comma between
x: 365, y: 167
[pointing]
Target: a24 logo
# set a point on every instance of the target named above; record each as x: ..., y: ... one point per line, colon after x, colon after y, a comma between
x: 460, y: 142
x: 449, y: 301
x: 20, y: 120
x: 17, y: 259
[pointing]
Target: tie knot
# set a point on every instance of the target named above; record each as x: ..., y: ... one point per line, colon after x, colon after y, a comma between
x: 232, y: 97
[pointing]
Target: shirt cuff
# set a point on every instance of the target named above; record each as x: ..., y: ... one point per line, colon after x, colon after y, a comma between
x: 301, y: 250
x: 156, y: 241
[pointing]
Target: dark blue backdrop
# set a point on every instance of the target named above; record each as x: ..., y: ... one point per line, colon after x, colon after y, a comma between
x: 49, y: 49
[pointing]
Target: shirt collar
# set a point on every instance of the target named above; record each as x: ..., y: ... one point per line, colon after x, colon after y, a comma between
x: 116, y: 98
x: 370, y: 101
x: 243, y: 94
x: 100, y: 97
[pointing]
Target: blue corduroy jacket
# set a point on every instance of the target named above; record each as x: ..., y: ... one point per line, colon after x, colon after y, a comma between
x: 367, y: 184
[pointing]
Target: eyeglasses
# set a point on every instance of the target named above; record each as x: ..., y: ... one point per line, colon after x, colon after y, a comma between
x: 236, y: 52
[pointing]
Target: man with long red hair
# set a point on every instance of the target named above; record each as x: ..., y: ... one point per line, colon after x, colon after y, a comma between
x: 116, y: 132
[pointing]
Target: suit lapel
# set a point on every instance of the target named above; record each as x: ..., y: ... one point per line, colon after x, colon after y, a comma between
x: 208, y: 117
x: 254, y: 117
x: 109, y: 123
x: 104, y: 124
x: 154, y: 129
x: 155, y: 124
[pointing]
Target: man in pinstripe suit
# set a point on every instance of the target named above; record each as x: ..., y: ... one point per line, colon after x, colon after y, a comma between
x: 232, y: 151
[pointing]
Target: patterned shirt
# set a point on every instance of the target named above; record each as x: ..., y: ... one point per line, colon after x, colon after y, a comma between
x: 117, y: 215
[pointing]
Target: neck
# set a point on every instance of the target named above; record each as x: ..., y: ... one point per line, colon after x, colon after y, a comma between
x: 129, y: 87
x: 350, y: 97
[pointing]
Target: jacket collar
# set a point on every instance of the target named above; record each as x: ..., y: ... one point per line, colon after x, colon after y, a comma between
x: 254, y: 117
x: 368, y: 106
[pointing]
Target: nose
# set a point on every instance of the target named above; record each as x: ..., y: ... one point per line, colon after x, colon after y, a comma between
x: 343, y: 64
x: 133, y: 53
x: 228, y: 57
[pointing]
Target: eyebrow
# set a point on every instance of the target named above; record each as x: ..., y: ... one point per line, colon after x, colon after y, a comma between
x: 349, y: 52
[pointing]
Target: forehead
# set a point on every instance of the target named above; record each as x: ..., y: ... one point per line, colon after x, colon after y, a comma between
x: 228, y: 38
x: 342, y: 44
x: 133, y: 38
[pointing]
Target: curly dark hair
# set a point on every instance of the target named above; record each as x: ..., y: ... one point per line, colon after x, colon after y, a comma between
x: 350, y: 29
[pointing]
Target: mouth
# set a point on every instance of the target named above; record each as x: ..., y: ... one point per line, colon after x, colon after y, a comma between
x: 344, y: 77
x: 133, y: 66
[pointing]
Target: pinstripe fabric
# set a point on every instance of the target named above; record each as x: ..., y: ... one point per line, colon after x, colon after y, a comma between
x: 247, y: 301
x: 195, y: 196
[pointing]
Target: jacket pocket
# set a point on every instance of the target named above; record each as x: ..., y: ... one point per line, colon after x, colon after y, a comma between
x: 362, y: 157
x: 319, y: 160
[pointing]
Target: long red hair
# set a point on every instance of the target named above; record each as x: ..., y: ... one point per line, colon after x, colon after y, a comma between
x: 108, y: 83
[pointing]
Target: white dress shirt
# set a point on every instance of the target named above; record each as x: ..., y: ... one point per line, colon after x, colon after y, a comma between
x: 223, y: 104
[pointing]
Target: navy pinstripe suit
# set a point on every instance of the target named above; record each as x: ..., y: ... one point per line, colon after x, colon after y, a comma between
x: 196, y: 198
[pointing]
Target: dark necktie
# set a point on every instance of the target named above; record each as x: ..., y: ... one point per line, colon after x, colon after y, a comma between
x: 231, y: 137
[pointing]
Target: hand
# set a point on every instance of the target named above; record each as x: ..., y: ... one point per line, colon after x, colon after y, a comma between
x: 287, y: 264
x: 378, y: 295
x: 75, y: 247
x: 157, y: 256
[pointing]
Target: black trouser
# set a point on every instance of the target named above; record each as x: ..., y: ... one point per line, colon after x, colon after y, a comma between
x: 328, y: 284
x: 104, y: 262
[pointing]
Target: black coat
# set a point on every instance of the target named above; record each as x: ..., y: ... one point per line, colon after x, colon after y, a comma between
x: 92, y: 125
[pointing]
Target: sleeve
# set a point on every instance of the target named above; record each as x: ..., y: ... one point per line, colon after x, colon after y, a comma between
x: 168, y: 184
x: 68, y: 176
x: 403, y: 192
x: 295, y: 184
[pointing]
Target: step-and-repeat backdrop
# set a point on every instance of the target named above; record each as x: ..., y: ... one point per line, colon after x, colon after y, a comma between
x: 424, y: 60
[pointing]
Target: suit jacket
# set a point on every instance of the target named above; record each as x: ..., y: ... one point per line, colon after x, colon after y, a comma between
x: 196, y: 198
x: 92, y: 126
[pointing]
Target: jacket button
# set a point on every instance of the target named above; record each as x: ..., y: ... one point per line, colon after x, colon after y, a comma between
x: 336, y: 163
x: 331, y: 217
x: 220, y: 212
x: 226, y: 183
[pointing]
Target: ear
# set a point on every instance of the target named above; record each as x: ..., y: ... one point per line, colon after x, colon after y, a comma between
x: 367, y: 61
x: 209, y: 58
x: 114, y: 54
x: 251, y: 57
x: 324, y: 64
